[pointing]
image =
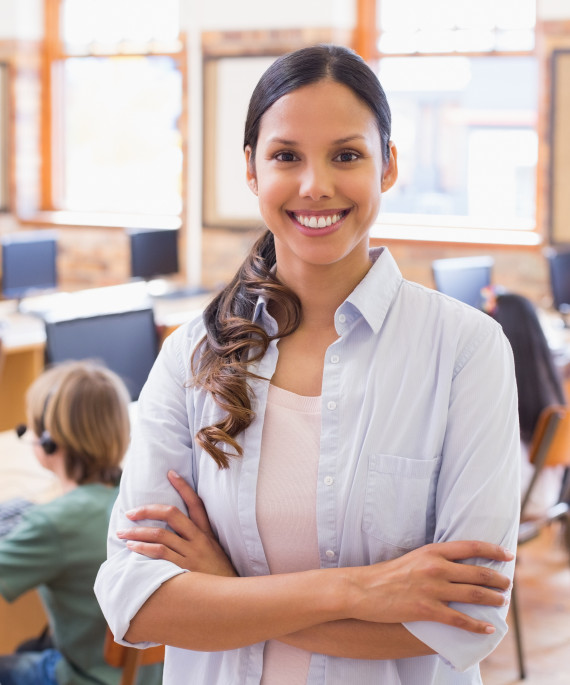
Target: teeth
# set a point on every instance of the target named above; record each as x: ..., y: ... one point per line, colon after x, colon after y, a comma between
x: 317, y: 222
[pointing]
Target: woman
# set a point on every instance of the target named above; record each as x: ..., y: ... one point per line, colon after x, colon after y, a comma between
x: 538, y: 384
x: 334, y: 420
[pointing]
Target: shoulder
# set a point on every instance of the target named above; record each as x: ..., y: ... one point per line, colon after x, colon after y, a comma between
x: 182, y: 341
x: 82, y: 504
x: 449, y: 324
x: 446, y: 311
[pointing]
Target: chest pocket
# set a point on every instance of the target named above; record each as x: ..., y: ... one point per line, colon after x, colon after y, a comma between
x: 397, y: 499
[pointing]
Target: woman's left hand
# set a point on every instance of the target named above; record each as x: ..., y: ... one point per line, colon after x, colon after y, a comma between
x: 191, y: 544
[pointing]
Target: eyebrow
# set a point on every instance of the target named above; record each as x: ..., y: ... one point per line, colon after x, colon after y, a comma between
x: 339, y: 141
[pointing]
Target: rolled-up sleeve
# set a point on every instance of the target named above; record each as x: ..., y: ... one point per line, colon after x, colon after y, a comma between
x: 161, y: 440
x: 478, y: 491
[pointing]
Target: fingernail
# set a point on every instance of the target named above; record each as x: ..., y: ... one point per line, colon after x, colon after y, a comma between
x: 510, y: 556
x: 488, y: 629
x: 121, y: 533
x: 173, y: 474
x: 131, y: 543
x: 130, y: 513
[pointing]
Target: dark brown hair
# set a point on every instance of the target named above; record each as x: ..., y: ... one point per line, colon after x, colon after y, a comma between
x: 232, y: 342
x: 538, y: 381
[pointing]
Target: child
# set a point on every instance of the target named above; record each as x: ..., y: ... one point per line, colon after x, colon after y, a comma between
x: 79, y: 427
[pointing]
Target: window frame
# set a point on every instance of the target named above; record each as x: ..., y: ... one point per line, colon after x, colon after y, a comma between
x: 366, y: 40
x: 53, y: 57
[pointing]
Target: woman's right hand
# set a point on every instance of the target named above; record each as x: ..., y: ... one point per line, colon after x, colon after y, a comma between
x: 190, y: 543
x: 419, y: 586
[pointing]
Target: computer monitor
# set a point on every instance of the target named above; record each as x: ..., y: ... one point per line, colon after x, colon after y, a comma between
x: 559, y: 268
x: 463, y: 277
x: 154, y: 253
x: 28, y: 263
x: 126, y: 342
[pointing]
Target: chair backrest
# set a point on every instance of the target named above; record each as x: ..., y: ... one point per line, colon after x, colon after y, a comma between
x: 550, y: 445
x: 463, y: 277
x: 129, y: 659
x: 559, y: 272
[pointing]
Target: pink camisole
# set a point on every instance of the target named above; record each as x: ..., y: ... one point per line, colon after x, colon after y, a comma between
x: 286, y: 509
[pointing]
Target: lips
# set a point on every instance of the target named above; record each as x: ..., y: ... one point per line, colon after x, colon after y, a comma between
x: 318, y: 220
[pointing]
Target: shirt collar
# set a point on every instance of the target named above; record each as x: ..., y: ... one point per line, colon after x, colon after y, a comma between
x: 371, y: 298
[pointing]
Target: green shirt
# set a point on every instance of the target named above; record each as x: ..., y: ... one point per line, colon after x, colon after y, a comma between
x: 58, y: 548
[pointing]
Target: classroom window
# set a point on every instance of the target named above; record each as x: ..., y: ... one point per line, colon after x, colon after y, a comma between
x: 462, y: 82
x: 117, y: 101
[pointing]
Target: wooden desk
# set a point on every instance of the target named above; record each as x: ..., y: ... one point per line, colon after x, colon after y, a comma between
x: 21, y: 475
x: 23, y: 344
x: 23, y: 335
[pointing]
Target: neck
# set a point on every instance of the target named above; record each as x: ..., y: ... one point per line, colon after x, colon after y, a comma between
x: 322, y: 289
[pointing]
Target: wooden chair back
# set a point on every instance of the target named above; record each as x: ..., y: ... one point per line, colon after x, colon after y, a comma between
x: 550, y: 445
x: 129, y: 659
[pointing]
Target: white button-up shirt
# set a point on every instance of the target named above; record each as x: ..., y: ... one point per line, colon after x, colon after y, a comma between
x: 419, y: 444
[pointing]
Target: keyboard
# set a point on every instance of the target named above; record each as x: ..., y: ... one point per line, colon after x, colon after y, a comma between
x: 11, y: 511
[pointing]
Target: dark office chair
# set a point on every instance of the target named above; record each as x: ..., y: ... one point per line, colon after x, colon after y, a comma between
x: 559, y: 272
x: 550, y: 447
x: 463, y: 277
x: 130, y: 659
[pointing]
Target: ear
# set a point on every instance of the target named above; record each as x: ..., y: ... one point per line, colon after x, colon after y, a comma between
x: 390, y: 173
x: 250, y: 174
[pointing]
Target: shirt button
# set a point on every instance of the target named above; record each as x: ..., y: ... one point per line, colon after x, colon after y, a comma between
x: 329, y: 480
x: 330, y: 554
x: 341, y: 318
x: 331, y: 405
x: 335, y: 359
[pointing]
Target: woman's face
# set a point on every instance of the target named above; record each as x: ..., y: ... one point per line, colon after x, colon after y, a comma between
x: 318, y: 174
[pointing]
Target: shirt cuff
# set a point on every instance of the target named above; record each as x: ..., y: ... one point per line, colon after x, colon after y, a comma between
x: 459, y: 648
x: 124, y: 583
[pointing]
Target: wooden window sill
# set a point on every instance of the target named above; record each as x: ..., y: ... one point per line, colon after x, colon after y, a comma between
x: 100, y: 220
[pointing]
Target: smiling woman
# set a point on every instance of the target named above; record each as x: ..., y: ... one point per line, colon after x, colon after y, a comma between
x: 335, y: 437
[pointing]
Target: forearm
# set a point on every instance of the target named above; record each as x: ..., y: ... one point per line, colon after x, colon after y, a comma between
x: 354, y: 639
x: 211, y: 613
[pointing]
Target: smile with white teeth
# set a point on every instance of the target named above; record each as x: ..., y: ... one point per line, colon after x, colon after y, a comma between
x: 319, y: 221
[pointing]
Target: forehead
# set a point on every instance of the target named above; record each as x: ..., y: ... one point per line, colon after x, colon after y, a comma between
x: 325, y: 110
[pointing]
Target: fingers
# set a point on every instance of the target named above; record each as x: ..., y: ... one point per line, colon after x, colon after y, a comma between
x: 196, y: 509
x: 170, y: 514
x: 455, y: 618
x: 479, y: 575
x: 155, y: 543
x: 467, y: 549
x: 475, y: 594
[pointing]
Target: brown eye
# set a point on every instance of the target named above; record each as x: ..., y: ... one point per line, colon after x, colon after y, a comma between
x: 285, y: 157
x: 346, y: 157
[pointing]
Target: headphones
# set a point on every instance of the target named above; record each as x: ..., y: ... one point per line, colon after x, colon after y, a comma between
x: 46, y: 442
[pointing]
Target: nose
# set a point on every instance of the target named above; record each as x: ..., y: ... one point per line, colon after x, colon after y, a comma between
x: 316, y: 182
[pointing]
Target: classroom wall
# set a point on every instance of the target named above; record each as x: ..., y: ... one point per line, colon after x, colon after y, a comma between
x: 549, y: 10
x: 228, y: 15
x: 91, y: 256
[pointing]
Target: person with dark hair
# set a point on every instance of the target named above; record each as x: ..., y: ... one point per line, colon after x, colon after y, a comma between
x: 539, y: 385
x: 314, y: 456
x: 78, y: 425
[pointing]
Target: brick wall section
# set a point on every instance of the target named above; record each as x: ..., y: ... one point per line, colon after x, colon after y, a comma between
x: 521, y: 270
x: 92, y: 257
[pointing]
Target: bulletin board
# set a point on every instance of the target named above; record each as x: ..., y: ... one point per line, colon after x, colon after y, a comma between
x: 560, y: 148
x: 4, y: 143
x: 228, y: 84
